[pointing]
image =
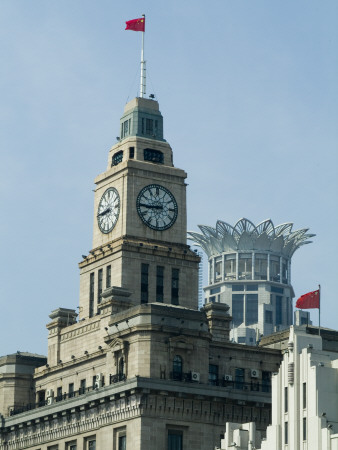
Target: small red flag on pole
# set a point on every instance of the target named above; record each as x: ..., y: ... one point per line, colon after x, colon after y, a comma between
x: 136, y: 24
x: 309, y: 301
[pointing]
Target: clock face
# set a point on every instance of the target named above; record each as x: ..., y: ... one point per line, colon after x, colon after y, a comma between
x: 157, y: 207
x: 108, y: 210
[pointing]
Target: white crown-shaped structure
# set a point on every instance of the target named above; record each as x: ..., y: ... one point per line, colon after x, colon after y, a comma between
x: 245, y: 236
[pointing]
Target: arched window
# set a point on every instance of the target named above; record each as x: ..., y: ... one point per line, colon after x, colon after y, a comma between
x: 177, y: 368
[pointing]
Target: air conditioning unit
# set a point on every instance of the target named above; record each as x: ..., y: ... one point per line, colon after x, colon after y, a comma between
x: 49, y: 393
x: 254, y: 373
x: 227, y: 377
x: 98, y: 377
x: 50, y: 400
x: 195, y: 376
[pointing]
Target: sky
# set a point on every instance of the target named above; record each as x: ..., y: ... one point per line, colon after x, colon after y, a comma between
x: 249, y: 94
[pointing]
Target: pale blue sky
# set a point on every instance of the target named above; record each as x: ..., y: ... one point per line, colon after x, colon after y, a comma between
x: 248, y: 91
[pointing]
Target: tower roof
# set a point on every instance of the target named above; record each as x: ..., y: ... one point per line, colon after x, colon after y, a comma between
x: 245, y: 236
x: 142, y: 118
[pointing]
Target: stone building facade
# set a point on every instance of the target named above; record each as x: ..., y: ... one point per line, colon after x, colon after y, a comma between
x: 140, y: 367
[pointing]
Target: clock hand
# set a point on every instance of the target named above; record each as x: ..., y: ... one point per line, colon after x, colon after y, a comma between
x: 106, y: 211
x: 152, y: 206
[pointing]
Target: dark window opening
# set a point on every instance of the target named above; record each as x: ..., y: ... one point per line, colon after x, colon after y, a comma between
x: 149, y: 126
x: 159, y: 283
x: 279, y: 312
x: 144, y: 283
x: 266, y: 381
x: 251, y: 313
x: 175, y: 440
x: 304, y: 428
x: 304, y: 395
x: 108, y: 276
x: 99, y: 285
x: 174, y: 286
x: 239, y: 378
x: 117, y: 158
x: 286, y: 433
x: 177, y: 368
x: 213, y: 374
x: 91, y: 294
x: 237, y: 308
x: 238, y: 287
x: 131, y: 152
x: 59, y: 394
x: 82, y: 389
x: 286, y: 400
x: 268, y: 316
x: 122, y: 442
x: 71, y: 390
x: 277, y: 290
x: 121, y: 367
x: 154, y: 156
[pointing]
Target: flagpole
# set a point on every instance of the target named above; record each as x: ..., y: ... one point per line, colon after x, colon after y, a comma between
x: 319, y: 309
x: 143, y: 67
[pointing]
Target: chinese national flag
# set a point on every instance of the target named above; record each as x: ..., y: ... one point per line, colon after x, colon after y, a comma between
x: 309, y: 300
x: 136, y: 24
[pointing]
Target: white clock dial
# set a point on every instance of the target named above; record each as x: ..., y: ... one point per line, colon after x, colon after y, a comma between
x: 108, y: 210
x: 157, y: 207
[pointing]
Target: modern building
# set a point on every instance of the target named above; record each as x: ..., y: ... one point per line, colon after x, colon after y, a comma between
x: 141, y: 367
x: 250, y: 270
x: 304, y: 393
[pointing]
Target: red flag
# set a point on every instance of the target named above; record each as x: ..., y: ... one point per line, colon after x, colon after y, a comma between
x: 136, y: 24
x: 309, y: 300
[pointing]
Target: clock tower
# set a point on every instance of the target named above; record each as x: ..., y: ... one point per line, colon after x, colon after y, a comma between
x: 139, y: 250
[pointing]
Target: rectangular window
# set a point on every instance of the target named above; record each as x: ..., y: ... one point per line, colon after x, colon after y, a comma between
x: 251, y: 287
x: 108, y: 277
x: 90, y: 444
x: 91, y: 294
x: 279, y: 311
x: 53, y: 447
x: 286, y: 433
x: 277, y: 290
x: 99, y: 285
x: 131, y: 152
x: 268, y: 316
x: 304, y: 395
x: 122, y: 442
x: 59, y: 394
x: 239, y: 378
x: 159, y: 283
x: 286, y: 400
x: 149, y: 126
x: 82, y: 389
x: 304, y: 428
x: 175, y: 440
x: 238, y: 287
x: 174, y: 286
x: 215, y: 290
x: 71, y: 445
x: 213, y: 374
x: 71, y: 390
x: 251, y: 311
x: 266, y: 381
x: 144, y: 283
x: 142, y: 126
x: 237, y: 308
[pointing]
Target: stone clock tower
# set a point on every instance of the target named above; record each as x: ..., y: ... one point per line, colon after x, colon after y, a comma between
x: 139, y: 238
